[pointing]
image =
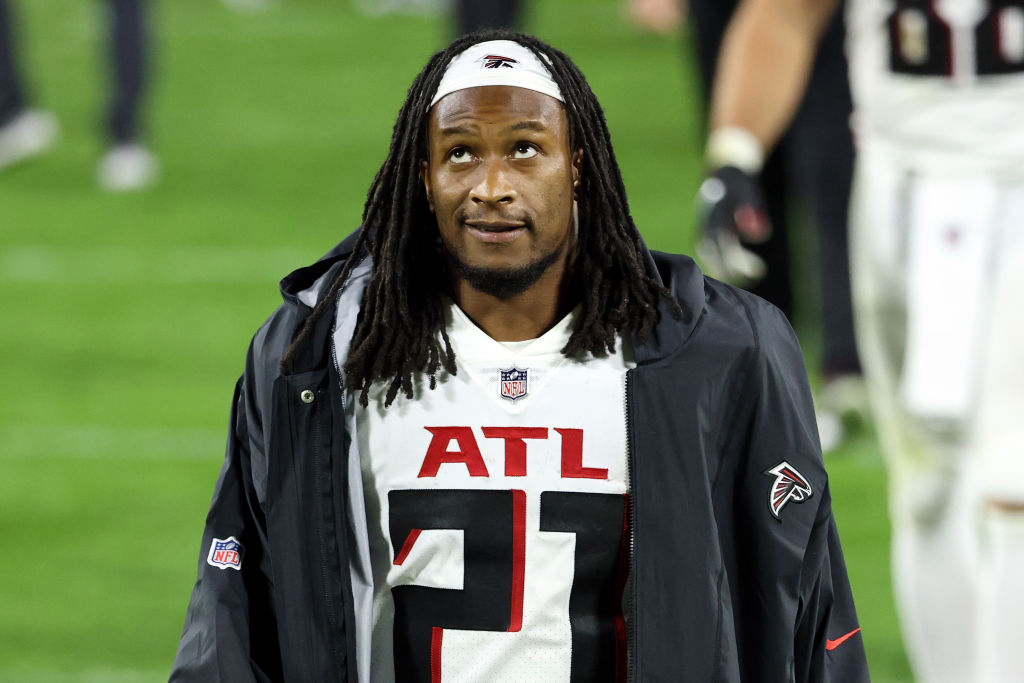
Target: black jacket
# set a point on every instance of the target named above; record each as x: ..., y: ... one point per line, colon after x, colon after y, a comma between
x: 724, y: 590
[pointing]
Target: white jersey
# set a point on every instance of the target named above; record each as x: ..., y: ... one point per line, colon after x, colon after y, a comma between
x: 496, y: 506
x: 940, y: 82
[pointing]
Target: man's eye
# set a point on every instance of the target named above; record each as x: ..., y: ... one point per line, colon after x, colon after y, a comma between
x: 524, y: 150
x: 459, y: 155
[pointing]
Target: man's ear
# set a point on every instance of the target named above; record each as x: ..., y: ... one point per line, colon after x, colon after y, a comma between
x: 577, y: 167
x: 577, y: 171
x: 425, y: 176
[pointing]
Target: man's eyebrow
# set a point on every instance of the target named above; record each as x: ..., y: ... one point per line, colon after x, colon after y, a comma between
x: 528, y: 125
x: 462, y: 129
x: 449, y: 131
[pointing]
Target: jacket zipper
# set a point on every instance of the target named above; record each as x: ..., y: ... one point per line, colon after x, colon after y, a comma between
x: 343, y: 407
x: 630, y: 466
x: 332, y: 616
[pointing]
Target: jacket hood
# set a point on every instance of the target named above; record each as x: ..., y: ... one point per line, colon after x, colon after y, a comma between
x: 306, y: 279
x: 685, y: 281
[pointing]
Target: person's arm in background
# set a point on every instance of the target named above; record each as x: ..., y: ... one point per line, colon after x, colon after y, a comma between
x: 657, y: 16
x: 766, y: 59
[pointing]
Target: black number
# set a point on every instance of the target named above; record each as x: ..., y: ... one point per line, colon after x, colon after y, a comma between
x: 595, y: 605
x: 994, y: 35
x: 494, y: 537
x: 920, y: 41
x: 489, y: 598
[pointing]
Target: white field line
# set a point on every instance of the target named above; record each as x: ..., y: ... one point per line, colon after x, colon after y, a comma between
x: 100, y: 441
x: 40, y: 264
x: 89, y: 676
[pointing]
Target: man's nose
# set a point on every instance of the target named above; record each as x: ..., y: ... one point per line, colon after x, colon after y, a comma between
x: 495, y: 186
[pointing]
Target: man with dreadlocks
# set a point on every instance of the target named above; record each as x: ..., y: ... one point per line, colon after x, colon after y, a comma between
x: 492, y: 437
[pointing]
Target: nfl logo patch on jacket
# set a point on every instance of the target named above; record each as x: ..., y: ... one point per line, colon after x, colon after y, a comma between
x: 225, y: 553
x: 514, y: 383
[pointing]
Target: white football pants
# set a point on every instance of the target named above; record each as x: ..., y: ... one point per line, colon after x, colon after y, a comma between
x: 938, y: 284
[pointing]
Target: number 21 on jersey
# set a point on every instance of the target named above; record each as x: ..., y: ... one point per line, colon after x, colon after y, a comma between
x: 495, y: 583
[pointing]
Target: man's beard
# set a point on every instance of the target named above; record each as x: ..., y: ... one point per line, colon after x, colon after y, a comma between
x: 503, y: 283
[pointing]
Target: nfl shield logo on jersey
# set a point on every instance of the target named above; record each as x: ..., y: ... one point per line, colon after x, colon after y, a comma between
x: 225, y: 553
x: 513, y: 383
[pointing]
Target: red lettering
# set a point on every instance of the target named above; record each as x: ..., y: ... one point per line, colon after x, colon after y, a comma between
x: 572, y: 457
x: 226, y: 556
x: 467, y: 451
x: 515, y: 446
x: 407, y: 546
x: 518, y: 559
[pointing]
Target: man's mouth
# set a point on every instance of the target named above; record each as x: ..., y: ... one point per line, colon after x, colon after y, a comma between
x: 495, y: 231
x: 495, y: 225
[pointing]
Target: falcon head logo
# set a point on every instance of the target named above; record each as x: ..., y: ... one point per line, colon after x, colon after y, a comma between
x: 497, y: 62
x: 789, y: 485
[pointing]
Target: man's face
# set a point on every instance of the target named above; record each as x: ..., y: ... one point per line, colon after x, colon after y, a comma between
x: 500, y: 180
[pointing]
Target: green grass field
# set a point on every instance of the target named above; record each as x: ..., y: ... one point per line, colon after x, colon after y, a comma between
x: 126, y: 318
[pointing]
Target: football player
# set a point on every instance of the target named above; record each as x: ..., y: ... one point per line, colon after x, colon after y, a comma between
x: 26, y: 132
x: 937, y: 262
x: 492, y: 437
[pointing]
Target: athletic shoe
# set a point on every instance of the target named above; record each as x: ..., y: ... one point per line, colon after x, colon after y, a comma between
x: 127, y: 167
x: 28, y: 134
x: 840, y: 406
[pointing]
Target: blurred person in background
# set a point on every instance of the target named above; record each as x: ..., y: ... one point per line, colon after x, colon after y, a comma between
x: 812, y: 163
x: 938, y: 265
x: 647, y: 411
x: 750, y: 202
x: 26, y: 132
x: 476, y: 15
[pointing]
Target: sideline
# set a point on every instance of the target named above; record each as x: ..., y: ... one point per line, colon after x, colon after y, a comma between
x: 104, y: 441
x: 40, y: 264
x: 90, y: 676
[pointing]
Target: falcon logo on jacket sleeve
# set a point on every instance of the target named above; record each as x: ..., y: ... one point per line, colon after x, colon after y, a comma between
x: 789, y: 485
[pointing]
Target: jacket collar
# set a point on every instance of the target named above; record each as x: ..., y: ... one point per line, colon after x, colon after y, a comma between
x: 677, y: 272
x: 686, y: 283
x: 306, y: 279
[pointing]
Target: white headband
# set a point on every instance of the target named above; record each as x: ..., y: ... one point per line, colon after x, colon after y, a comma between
x: 497, y: 62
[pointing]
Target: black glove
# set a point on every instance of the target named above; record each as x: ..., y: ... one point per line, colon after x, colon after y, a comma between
x: 732, y: 215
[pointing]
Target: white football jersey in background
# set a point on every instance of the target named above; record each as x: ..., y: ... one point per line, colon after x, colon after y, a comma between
x: 940, y: 80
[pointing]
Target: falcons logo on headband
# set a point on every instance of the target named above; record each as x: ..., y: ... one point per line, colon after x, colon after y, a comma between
x: 497, y: 62
x: 789, y: 485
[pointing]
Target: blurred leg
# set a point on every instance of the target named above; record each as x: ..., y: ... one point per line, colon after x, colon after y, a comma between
x: 128, y: 54
x: 822, y: 162
x: 12, y: 97
x: 24, y: 133
x: 934, y: 515
x: 709, y: 19
x: 1001, y: 604
x: 127, y: 165
x: 933, y: 490
x: 777, y: 284
x: 1000, y: 451
x: 474, y: 15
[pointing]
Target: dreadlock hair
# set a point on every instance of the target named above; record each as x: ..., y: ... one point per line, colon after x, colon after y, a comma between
x: 400, y: 331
